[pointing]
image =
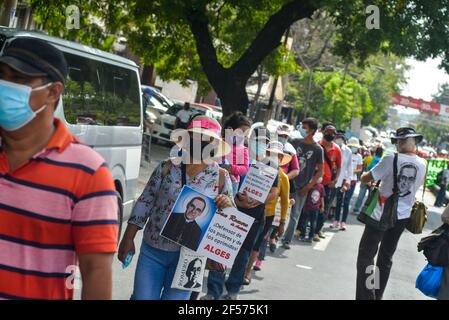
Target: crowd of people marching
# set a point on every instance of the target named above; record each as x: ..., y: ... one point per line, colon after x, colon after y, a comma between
x: 315, y: 183
x: 70, y: 211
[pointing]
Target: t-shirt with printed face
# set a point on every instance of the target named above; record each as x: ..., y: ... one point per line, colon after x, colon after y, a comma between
x: 309, y: 155
x: 411, y: 175
x: 313, y: 202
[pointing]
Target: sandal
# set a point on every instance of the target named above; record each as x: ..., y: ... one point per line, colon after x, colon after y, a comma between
x: 246, y: 281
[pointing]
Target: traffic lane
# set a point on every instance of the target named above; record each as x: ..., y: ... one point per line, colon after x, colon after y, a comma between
x: 305, y: 273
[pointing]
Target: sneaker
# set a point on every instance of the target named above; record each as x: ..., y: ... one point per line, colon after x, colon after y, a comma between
x: 297, y: 233
x: 286, y: 245
x: 334, y: 225
x: 207, y: 297
x: 309, y: 240
x: 246, y: 281
x: 343, y: 226
x: 321, y: 235
x: 302, y: 239
x: 316, y: 238
x: 230, y: 296
x: 258, y: 265
x: 273, y: 247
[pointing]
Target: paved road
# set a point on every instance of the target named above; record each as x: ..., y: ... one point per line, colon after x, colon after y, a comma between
x: 326, y: 270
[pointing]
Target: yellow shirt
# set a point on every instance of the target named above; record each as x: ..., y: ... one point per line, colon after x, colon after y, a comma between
x: 283, y: 193
x: 367, y: 161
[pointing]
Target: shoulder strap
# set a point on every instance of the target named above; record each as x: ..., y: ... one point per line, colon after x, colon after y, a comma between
x: 326, y: 157
x: 395, y: 173
x: 183, y: 174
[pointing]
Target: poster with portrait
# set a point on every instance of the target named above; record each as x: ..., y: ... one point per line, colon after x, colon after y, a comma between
x: 258, y: 181
x: 189, y: 219
x: 190, y: 270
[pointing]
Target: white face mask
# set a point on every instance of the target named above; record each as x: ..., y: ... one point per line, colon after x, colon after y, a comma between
x: 354, y: 150
x: 339, y: 142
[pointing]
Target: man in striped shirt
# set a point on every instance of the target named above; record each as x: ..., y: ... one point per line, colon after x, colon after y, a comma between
x: 58, y: 206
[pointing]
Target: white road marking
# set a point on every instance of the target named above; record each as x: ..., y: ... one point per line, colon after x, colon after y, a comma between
x: 304, y: 267
x: 322, y: 245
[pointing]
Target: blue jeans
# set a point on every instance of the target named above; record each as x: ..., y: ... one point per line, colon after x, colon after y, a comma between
x: 154, y: 275
x: 361, y: 197
x: 330, y: 194
x: 295, y: 216
x: 343, y: 200
x: 441, y: 196
x: 312, y: 217
x: 216, y: 279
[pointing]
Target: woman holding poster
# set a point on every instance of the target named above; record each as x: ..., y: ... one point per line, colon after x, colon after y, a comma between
x: 199, y: 170
x: 259, y: 139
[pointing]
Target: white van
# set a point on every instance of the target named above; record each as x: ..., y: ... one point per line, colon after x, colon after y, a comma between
x: 102, y: 107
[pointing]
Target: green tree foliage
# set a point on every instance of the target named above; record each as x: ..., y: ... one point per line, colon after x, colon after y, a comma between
x: 224, y: 41
x: 442, y: 96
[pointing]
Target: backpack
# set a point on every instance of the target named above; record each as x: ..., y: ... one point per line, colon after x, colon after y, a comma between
x: 418, y: 218
x: 436, y: 246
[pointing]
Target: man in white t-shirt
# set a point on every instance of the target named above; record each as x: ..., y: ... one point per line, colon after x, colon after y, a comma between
x: 411, y: 175
x: 343, y: 182
x: 355, y: 167
x: 183, y: 116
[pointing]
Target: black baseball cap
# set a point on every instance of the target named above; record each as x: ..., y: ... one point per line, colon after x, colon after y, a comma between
x: 35, y: 58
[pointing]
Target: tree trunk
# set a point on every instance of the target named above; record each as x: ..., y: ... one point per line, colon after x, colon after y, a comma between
x: 8, y: 6
x: 148, y: 77
x: 233, y: 99
x: 230, y: 83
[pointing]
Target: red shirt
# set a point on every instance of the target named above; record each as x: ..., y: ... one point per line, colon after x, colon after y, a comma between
x: 334, y: 155
x: 292, y: 165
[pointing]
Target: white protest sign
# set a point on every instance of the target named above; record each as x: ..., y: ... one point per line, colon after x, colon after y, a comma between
x: 225, y: 235
x: 258, y: 181
x: 190, y: 271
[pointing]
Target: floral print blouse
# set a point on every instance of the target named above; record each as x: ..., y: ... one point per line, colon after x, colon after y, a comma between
x: 159, y: 196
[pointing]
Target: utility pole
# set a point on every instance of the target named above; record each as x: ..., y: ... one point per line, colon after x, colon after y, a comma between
x: 275, y: 84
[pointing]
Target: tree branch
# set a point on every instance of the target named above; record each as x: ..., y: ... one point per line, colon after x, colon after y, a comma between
x: 198, y: 22
x: 269, y: 38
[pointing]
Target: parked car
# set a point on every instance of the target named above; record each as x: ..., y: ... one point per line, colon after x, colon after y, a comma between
x: 161, y: 98
x: 165, y: 123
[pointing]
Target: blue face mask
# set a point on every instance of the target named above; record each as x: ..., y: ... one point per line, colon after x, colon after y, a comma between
x: 303, y: 132
x: 15, y: 110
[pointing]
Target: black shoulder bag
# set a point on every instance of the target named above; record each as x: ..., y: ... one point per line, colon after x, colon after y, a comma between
x: 329, y: 163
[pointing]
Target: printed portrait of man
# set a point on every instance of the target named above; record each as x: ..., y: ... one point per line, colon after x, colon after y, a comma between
x: 182, y: 227
x: 193, y: 272
x: 406, y: 179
